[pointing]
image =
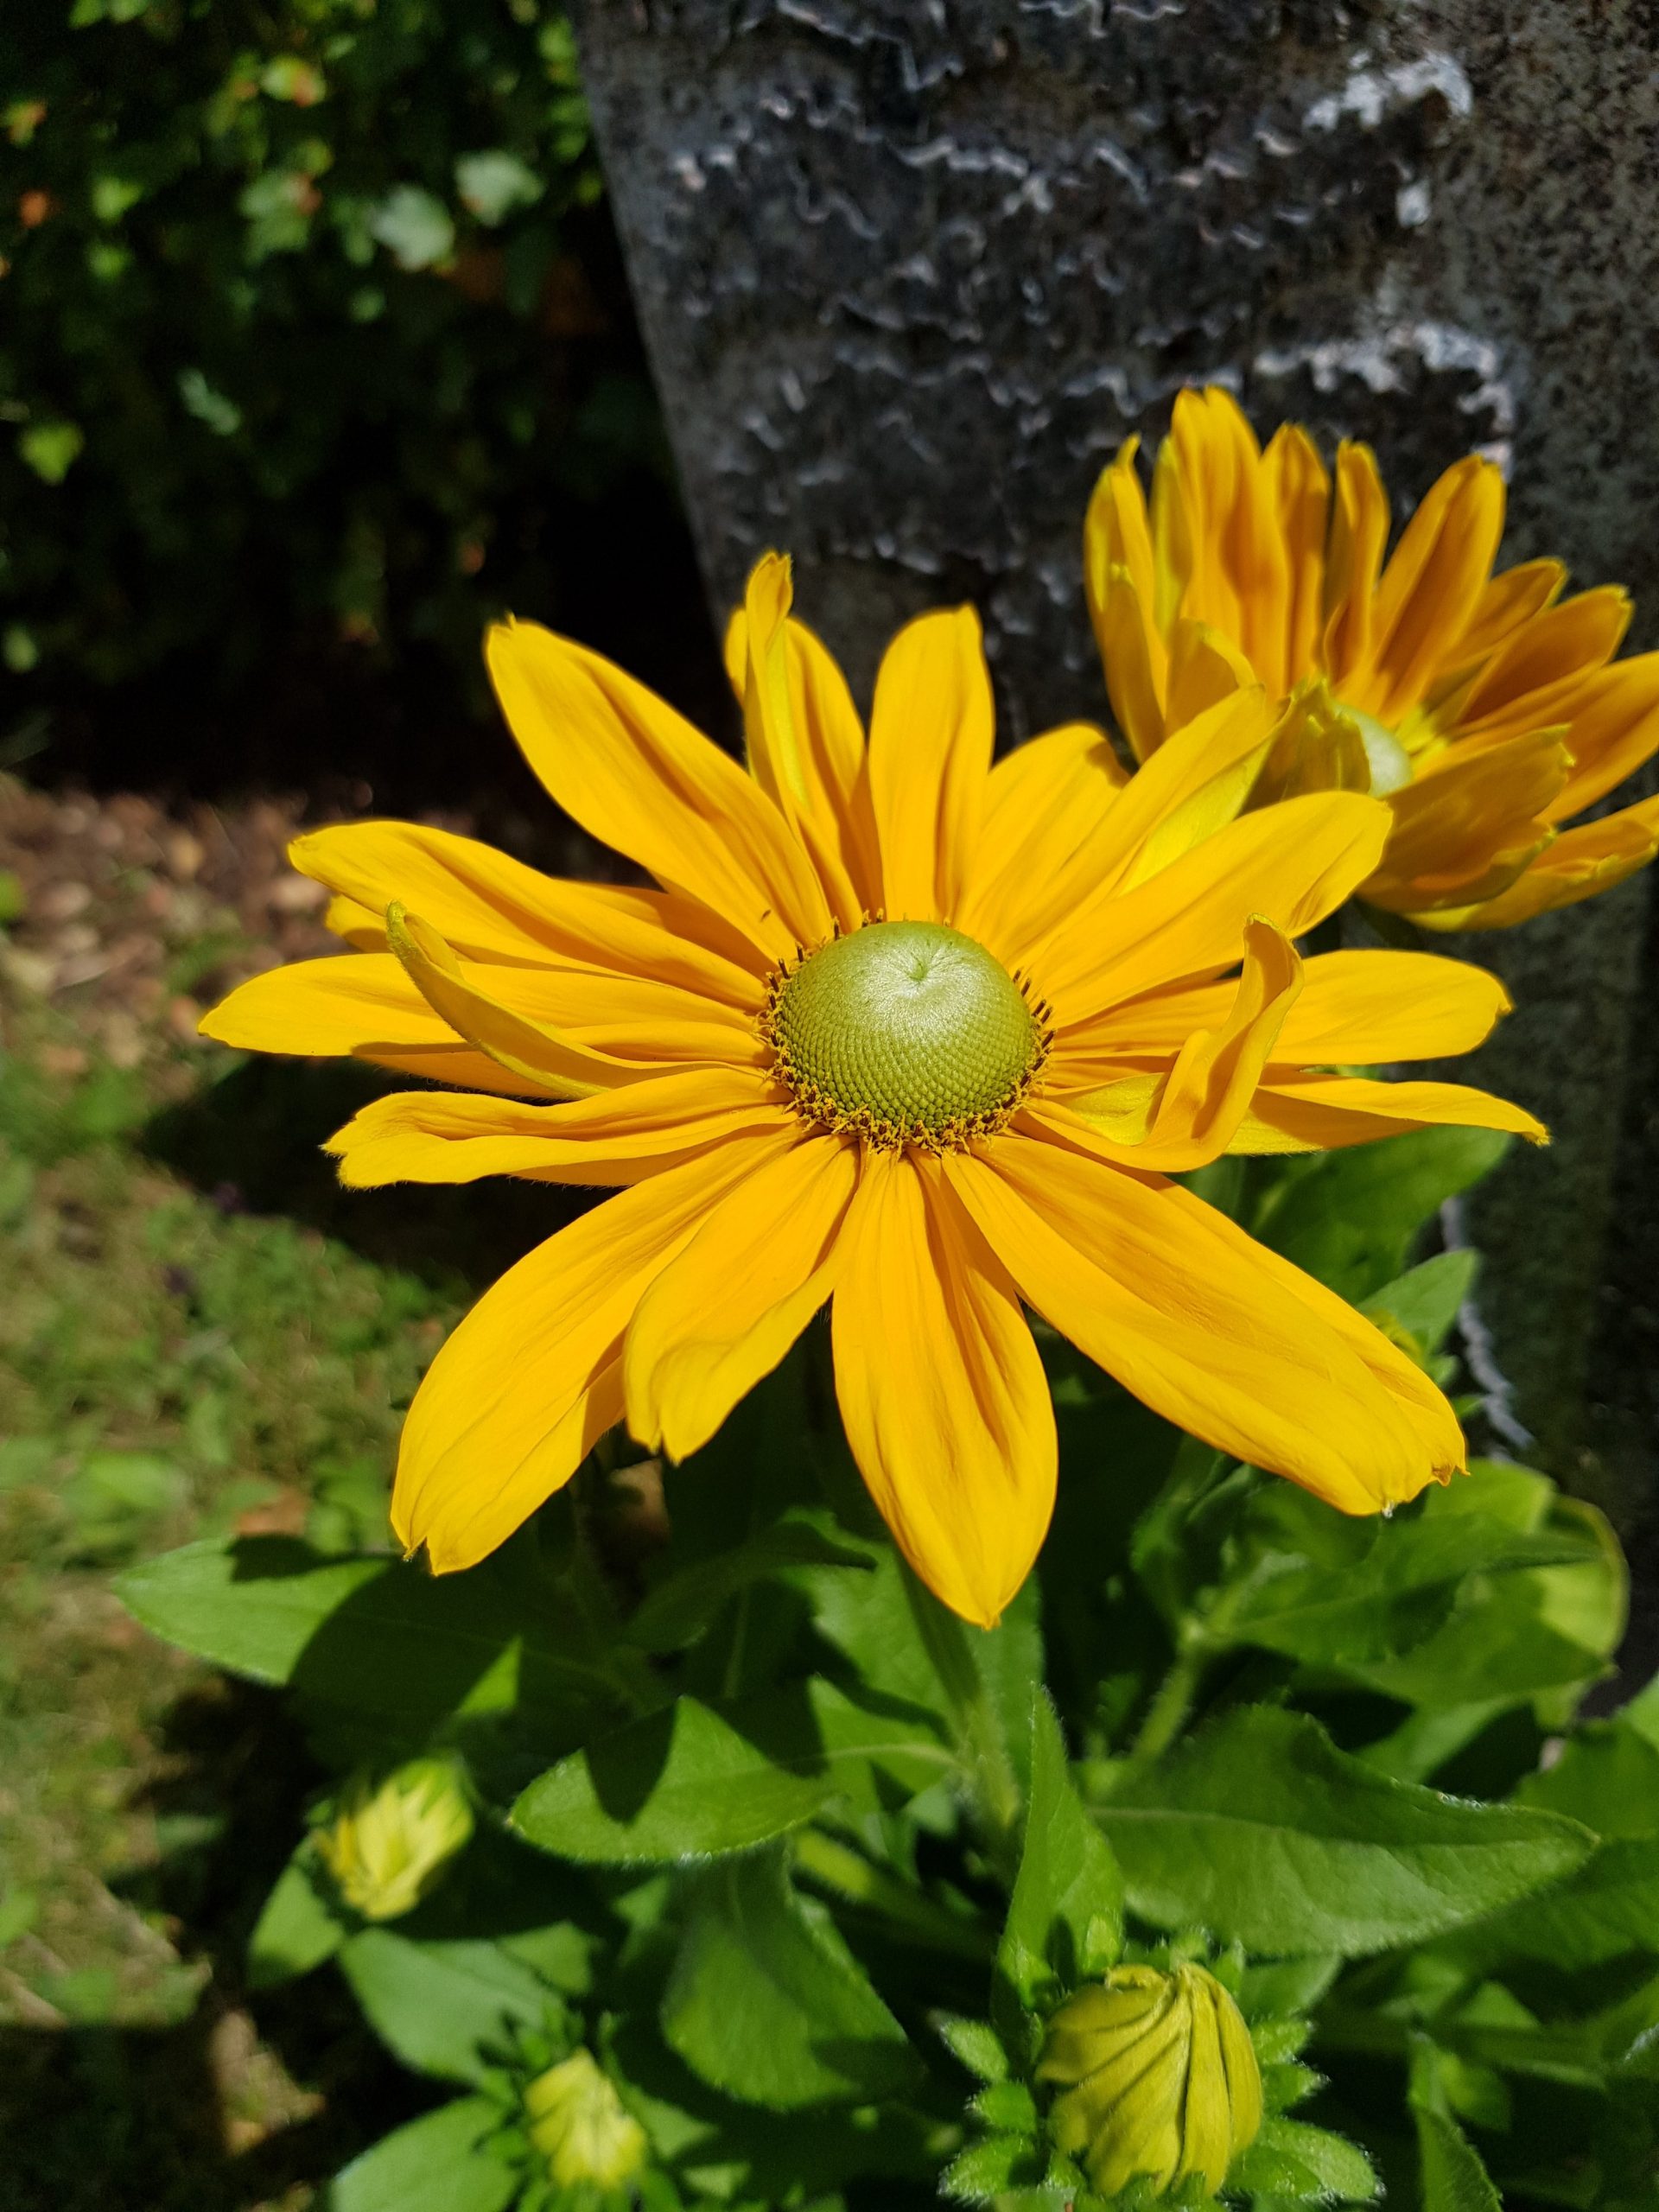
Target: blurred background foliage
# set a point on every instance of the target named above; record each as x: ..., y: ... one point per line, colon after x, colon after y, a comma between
x: 315, y: 355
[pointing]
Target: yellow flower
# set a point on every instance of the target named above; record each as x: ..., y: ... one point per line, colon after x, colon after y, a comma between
x: 1485, y: 709
x: 581, y: 2127
x: 1159, y: 2078
x: 968, y: 1104
x: 391, y: 1841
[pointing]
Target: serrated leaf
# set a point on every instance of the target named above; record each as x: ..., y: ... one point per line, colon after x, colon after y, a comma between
x: 975, y: 2044
x: 1290, y: 2158
x: 1005, y: 2106
x: 765, y: 2003
x: 1454, y: 2180
x: 690, y: 1782
x: 1259, y: 1828
x: 991, y: 2168
x: 298, y: 1928
x: 1065, y: 1918
x: 444, y: 2007
x: 440, y: 2163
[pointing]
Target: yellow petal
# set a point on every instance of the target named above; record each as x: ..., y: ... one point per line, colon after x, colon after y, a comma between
x: 1120, y: 584
x: 491, y: 908
x: 1469, y: 825
x: 1359, y: 532
x: 1428, y: 594
x: 1614, y: 731
x: 1205, y: 667
x: 1299, y: 489
x: 1211, y: 1330
x: 1563, y: 646
x: 347, y: 1002
x: 783, y: 737
x: 1292, y: 864
x: 1044, y: 802
x: 1356, y: 1009
x: 1294, y: 1111
x: 930, y: 735
x: 1509, y: 600
x: 616, y: 1137
x: 638, y: 776
x: 945, y: 1403
x: 632, y: 1019
x: 462, y: 1000
x: 362, y: 927
x: 723, y: 1315
x: 1239, y: 584
x: 1197, y: 1103
x: 533, y: 1378
x: 1580, y: 864
x: 1197, y: 782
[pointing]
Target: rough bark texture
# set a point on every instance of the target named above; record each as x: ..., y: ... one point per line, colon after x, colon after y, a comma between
x: 911, y: 271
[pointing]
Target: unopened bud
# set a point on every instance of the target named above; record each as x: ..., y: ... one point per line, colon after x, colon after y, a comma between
x: 581, y: 2127
x: 1158, y: 2077
x: 391, y: 1841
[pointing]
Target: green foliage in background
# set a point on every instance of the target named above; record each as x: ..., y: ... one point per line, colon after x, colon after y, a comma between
x: 802, y: 1865
x: 285, y: 315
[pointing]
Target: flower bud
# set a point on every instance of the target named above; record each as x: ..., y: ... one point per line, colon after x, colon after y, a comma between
x: 581, y: 2127
x: 1158, y: 2077
x: 389, y: 1844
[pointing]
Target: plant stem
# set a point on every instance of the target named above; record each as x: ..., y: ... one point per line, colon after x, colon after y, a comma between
x: 852, y: 1876
x: 979, y: 1731
x: 1167, y: 1714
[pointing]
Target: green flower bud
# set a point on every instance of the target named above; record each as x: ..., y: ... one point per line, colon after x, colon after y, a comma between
x: 1158, y: 2075
x: 580, y: 2126
x: 390, y: 1843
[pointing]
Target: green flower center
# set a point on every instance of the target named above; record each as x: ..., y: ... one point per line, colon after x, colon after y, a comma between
x: 907, y: 1033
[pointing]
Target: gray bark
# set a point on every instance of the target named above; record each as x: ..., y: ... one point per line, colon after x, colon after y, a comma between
x: 909, y: 273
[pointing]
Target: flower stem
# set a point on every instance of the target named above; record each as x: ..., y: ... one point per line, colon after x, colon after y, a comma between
x: 852, y: 1878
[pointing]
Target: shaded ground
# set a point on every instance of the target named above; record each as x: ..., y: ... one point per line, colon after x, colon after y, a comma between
x: 198, y: 1332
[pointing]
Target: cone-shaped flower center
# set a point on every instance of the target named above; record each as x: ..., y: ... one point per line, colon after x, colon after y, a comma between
x: 908, y: 1033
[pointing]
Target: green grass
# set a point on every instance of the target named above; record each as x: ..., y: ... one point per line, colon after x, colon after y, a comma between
x: 199, y: 1331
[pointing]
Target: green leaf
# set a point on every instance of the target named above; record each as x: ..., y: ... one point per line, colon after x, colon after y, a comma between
x: 680, y: 1608
x: 1352, y: 1217
x: 1424, y: 1302
x: 298, y: 1928
x: 976, y: 2044
x: 766, y: 2002
x: 443, y: 2008
x: 439, y: 2163
x: 988, y: 2170
x: 1399, y: 1584
x: 416, y: 227
x: 688, y: 1782
x: 251, y: 1605
x: 382, y: 1640
x: 492, y: 184
x: 1066, y: 1919
x: 1290, y: 2158
x: 51, y: 449
x: 1454, y: 2180
x: 1259, y: 1828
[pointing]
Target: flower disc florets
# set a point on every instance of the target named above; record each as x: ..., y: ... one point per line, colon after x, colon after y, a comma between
x: 904, y: 1033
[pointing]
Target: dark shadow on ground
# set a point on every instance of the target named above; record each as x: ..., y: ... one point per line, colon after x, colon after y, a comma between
x: 252, y: 1141
x: 195, y: 2118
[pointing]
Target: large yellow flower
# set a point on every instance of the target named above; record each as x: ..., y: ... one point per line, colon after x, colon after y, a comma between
x: 901, y: 1030
x: 1484, y: 709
